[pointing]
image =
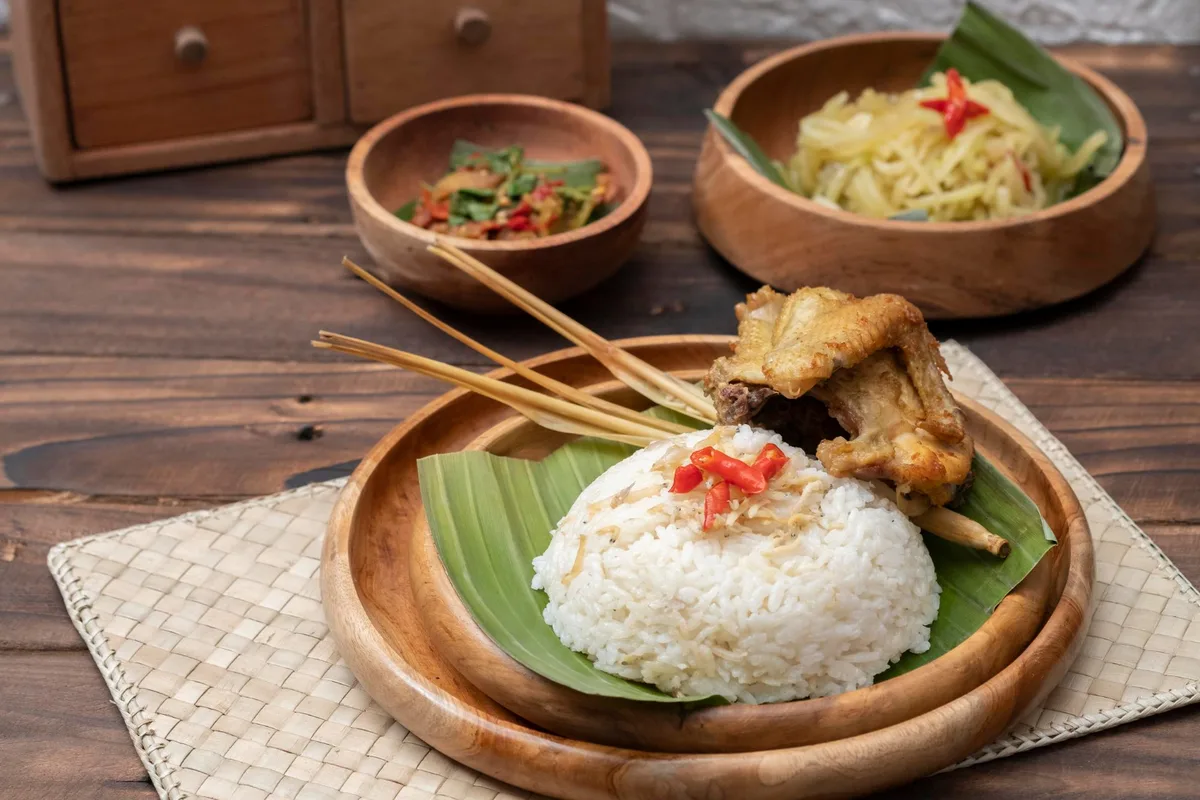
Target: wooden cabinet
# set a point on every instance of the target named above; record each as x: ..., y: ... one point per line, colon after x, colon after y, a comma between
x: 117, y: 86
x: 141, y: 71
x: 398, y: 56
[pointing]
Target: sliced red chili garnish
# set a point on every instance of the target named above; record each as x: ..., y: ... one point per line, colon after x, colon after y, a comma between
x: 542, y: 191
x: 737, y: 472
x: 1026, y: 178
x: 716, y: 501
x: 687, y: 477
x: 956, y: 109
x: 770, y: 461
x: 439, y: 211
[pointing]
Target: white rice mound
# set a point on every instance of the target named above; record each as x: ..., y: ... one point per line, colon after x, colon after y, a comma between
x: 809, y: 589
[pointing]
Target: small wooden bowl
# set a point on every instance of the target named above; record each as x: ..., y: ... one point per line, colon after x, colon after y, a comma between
x: 388, y: 164
x: 368, y: 592
x: 949, y: 269
x: 738, y: 727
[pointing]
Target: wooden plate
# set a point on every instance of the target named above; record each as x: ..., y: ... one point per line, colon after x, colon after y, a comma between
x: 370, y: 606
x: 949, y: 269
x: 738, y: 727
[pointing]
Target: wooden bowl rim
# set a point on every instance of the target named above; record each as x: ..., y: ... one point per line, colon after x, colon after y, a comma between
x: 1131, y: 159
x: 526, y: 757
x: 634, y: 199
x: 707, y: 722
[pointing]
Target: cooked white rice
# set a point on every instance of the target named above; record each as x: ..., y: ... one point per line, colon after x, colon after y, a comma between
x: 809, y: 589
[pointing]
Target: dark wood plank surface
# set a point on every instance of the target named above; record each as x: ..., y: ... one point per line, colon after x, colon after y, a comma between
x: 154, y: 358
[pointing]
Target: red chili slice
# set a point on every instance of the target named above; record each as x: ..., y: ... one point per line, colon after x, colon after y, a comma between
x: 716, y: 501
x: 439, y: 211
x: 687, y: 477
x: 737, y: 472
x: 1026, y: 178
x: 956, y: 109
x: 770, y: 461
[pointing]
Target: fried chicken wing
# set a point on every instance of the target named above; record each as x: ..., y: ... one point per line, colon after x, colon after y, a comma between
x: 874, y: 365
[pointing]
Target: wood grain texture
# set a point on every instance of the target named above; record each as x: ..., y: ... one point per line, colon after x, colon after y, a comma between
x: 37, y: 60
x: 368, y: 594
x: 127, y: 86
x: 722, y: 729
x: 62, y: 730
x: 388, y: 165
x: 238, y: 264
x: 249, y: 96
x: 210, y: 148
x: 534, y: 47
x: 949, y: 269
x: 115, y: 424
x: 328, y: 66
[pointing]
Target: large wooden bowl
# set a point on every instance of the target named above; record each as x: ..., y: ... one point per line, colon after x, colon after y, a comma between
x: 738, y: 727
x: 949, y: 269
x: 367, y: 588
x: 388, y: 164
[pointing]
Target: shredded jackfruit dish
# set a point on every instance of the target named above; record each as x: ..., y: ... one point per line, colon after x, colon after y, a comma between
x: 954, y: 150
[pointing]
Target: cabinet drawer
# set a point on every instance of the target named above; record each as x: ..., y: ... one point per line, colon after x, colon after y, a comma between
x: 405, y: 52
x: 149, y: 70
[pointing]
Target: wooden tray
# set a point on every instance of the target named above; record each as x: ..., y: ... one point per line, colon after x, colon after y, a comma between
x: 372, y: 613
x: 738, y: 727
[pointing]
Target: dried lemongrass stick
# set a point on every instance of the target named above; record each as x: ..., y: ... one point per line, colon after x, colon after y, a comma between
x: 954, y: 527
x: 563, y: 390
x: 549, y: 412
x: 538, y: 416
x: 647, y: 380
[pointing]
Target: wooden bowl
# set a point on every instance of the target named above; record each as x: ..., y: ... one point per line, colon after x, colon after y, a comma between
x: 388, y: 164
x: 367, y: 588
x: 738, y: 727
x: 949, y: 269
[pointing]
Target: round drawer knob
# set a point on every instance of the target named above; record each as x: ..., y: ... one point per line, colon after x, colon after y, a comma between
x: 472, y: 26
x: 191, y: 45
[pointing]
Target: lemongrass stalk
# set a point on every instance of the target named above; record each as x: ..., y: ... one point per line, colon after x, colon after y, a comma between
x: 524, y: 400
x: 647, y: 380
x: 954, y: 527
x: 561, y: 389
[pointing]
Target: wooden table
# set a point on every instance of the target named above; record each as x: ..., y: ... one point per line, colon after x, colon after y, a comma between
x: 154, y: 358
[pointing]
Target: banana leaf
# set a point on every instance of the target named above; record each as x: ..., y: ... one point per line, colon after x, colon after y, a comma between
x: 984, y: 47
x: 973, y: 583
x: 746, y: 147
x: 490, y: 516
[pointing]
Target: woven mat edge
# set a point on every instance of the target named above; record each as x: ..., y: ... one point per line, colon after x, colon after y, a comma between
x: 146, y: 742
x: 1139, y: 708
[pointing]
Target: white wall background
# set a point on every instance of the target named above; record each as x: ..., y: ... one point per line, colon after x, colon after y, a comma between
x: 1051, y: 21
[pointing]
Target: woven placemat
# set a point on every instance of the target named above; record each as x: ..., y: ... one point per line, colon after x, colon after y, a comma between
x: 209, y: 632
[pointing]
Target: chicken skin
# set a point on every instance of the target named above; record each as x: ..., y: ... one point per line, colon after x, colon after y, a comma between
x: 876, y: 368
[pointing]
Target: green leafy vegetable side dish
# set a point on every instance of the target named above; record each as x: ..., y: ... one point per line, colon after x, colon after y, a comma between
x: 576, y: 174
x: 490, y: 516
x: 985, y: 47
x: 500, y: 194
